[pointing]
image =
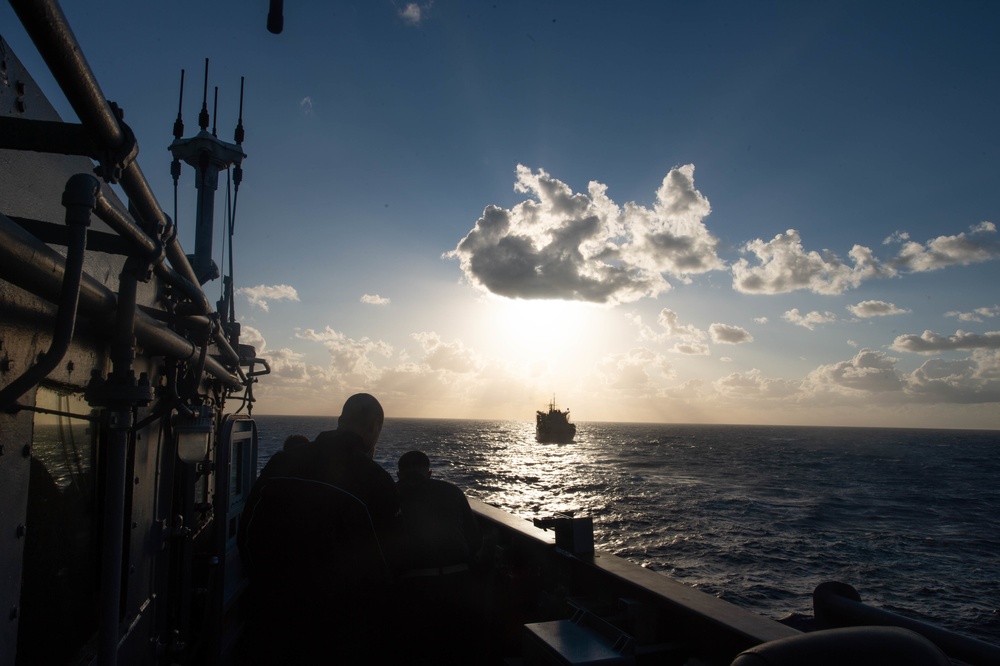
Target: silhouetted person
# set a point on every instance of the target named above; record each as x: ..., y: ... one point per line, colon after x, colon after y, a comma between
x: 294, y: 442
x: 440, y: 539
x: 312, y: 539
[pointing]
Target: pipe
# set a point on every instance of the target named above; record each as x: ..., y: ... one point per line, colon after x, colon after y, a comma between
x: 79, y: 199
x: 120, y: 419
x: 34, y: 266
x: 839, y: 605
x: 50, y: 31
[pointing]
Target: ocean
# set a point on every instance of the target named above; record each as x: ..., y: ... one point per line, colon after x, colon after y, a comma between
x: 755, y: 515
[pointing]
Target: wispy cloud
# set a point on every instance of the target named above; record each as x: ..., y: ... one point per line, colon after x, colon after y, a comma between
x: 261, y: 294
x: 577, y: 246
x: 375, y: 299
x: 979, y: 314
x: 414, y: 13
x: 866, y: 309
x: 306, y: 106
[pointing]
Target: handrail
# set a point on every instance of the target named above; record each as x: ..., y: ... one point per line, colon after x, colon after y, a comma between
x: 839, y: 605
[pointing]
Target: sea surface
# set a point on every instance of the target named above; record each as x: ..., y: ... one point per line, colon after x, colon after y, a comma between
x: 756, y: 515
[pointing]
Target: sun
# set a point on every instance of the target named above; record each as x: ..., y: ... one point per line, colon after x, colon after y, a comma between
x: 548, y: 332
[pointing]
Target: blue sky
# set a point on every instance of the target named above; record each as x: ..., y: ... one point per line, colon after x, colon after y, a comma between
x: 742, y: 212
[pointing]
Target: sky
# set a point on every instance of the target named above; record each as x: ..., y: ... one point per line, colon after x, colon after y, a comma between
x: 716, y: 212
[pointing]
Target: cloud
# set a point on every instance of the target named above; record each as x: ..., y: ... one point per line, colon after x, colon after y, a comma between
x: 448, y: 356
x: 261, y: 294
x: 896, y: 237
x: 976, y: 315
x: 729, y: 335
x: 306, y: 105
x: 375, y: 299
x: 690, y: 337
x: 251, y: 336
x: 633, y: 370
x: 785, y: 266
x: 868, y: 371
x: 808, y: 320
x: 760, y: 320
x: 866, y: 309
x: 414, y: 13
x: 347, y: 355
x: 971, y: 380
x: 576, y: 246
x: 979, y: 245
x: 930, y: 342
x: 752, y: 385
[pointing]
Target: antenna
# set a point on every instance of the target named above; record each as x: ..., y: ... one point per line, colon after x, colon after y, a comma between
x: 238, y: 134
x: 203, y: 116
x: 179, y: 123
x: 215, y: 111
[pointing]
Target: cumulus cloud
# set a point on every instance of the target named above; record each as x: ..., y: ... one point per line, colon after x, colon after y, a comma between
x: 979, y: 314
x: 729, y: 335
x: 930, y: 342
x: 251, y: 336
x: 349, y: 356
x: 809, y: 320
x: 868, y: 371
x: 896, y: 237
x: 760, y: 320
x: 979, y: 245
x: 261, y: 294
x: 449, y: 356
x: 576, y: 246
x: 783, y: 265
x: 867, y: 309
x: 633, y: 370
x: 690, y: 338
x: 972, y: 380
x: 306, y: 105
x: 375, y: 299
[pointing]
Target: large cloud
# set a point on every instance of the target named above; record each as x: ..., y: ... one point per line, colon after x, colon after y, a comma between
x: 576, y: 246
x: 930, y: 342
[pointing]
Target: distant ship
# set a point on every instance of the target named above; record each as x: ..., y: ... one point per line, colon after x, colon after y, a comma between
x: 554, y: 425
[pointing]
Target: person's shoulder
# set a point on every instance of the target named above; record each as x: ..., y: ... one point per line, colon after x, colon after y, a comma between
x: 446, y: 486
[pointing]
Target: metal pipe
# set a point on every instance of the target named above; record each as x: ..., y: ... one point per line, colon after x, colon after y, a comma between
x: 120, y: 417
x: 34, y: 266
x: 839, y: 605
x: 79, y: 199
x: 48, y: 28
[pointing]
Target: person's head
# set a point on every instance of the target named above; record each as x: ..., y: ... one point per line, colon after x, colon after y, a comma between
x: 294, y: 442
x: 362, y: 414
x: 413, y: 464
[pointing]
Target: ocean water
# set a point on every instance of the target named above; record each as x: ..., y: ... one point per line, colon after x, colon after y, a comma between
x: 756, y: 515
